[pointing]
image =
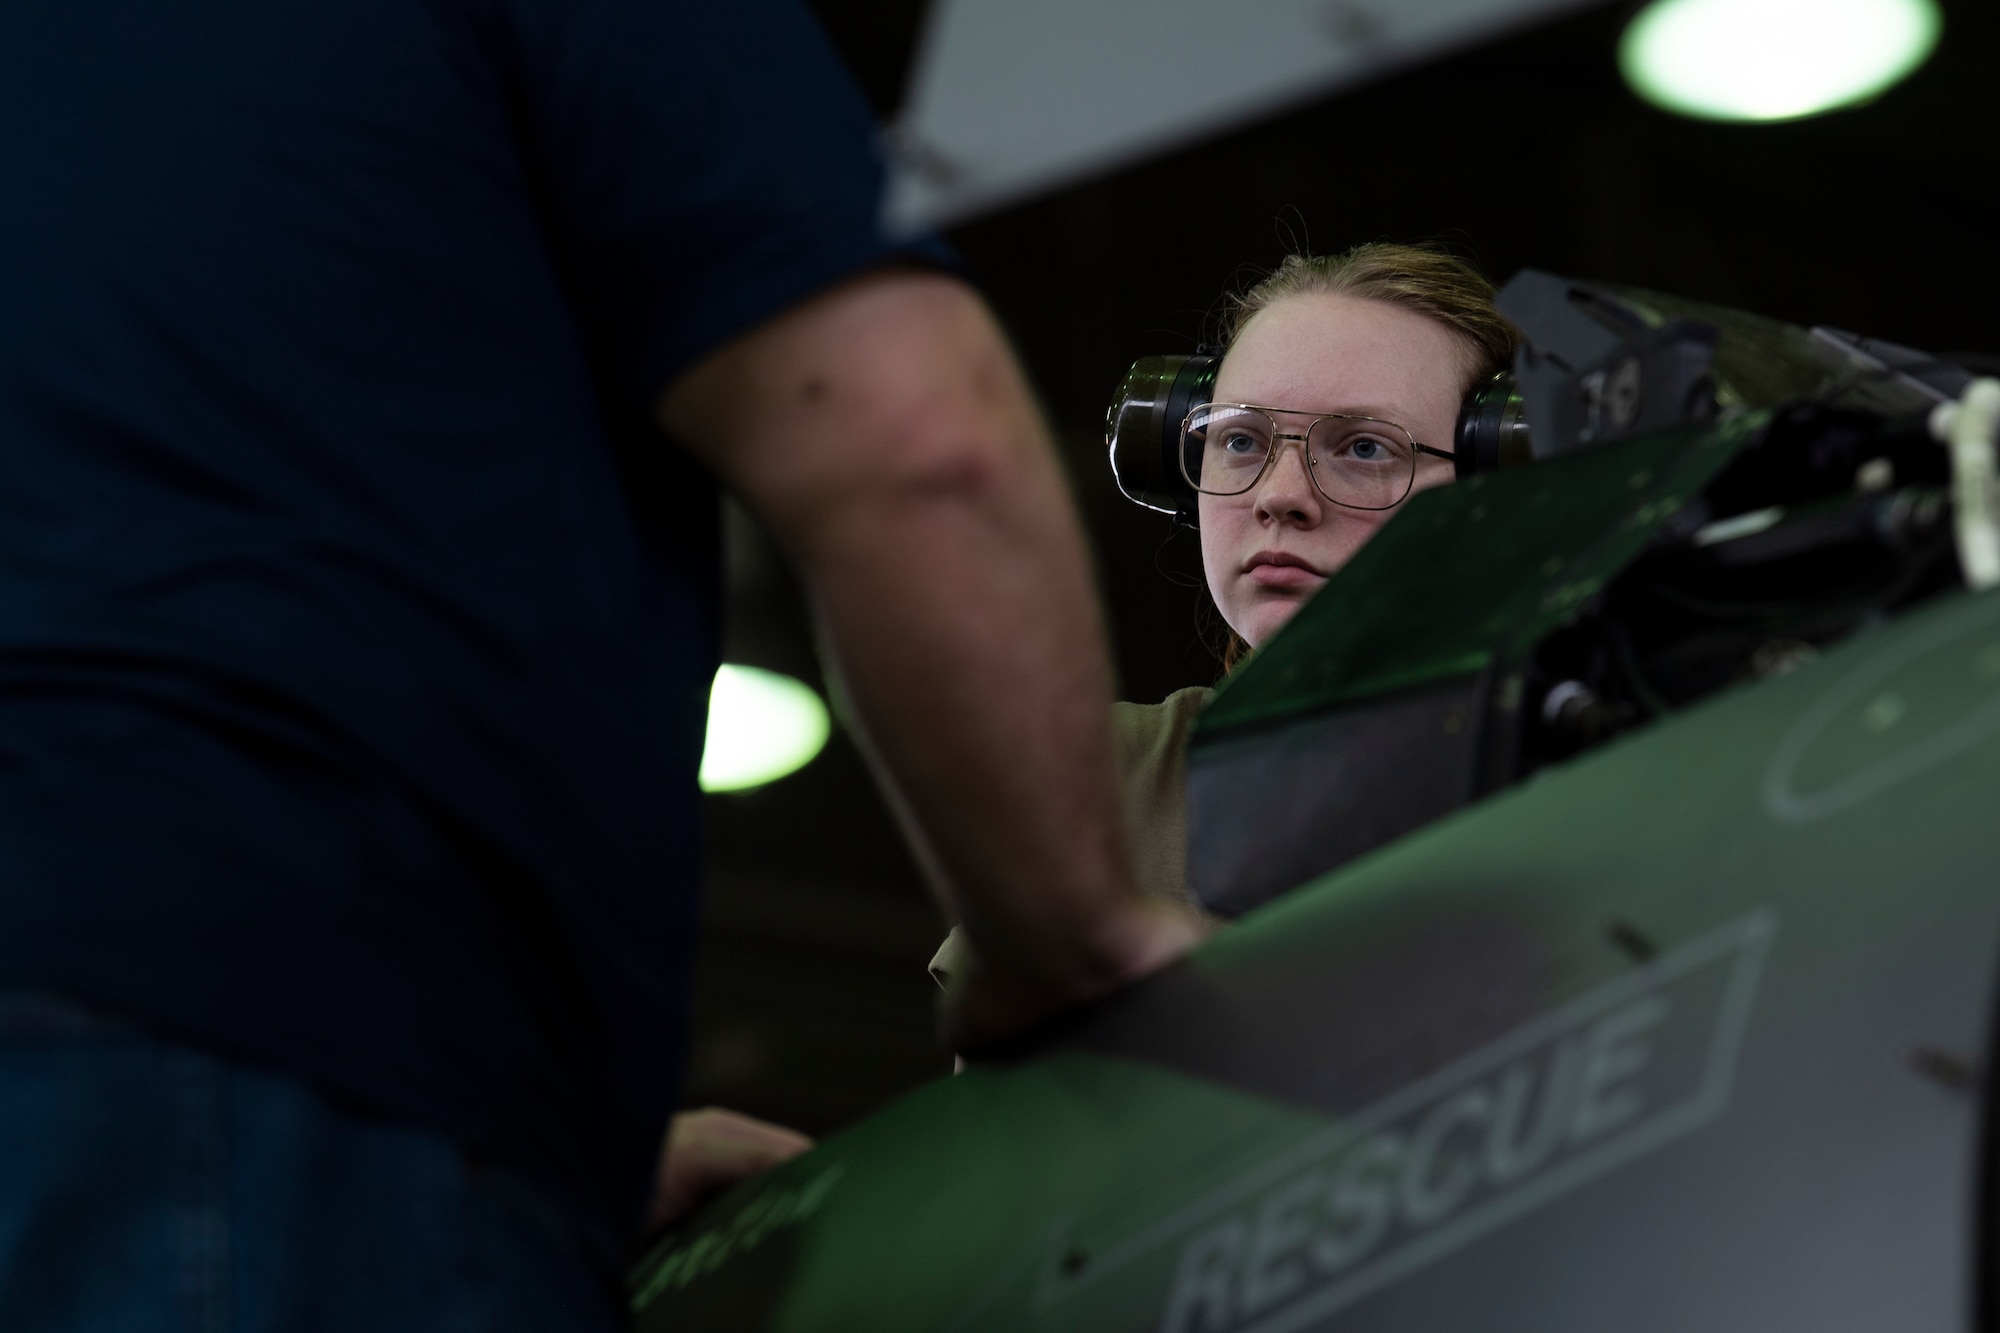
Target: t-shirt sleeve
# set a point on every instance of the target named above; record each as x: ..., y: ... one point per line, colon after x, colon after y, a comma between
x: 702, y: 167
x: 1152, y: 773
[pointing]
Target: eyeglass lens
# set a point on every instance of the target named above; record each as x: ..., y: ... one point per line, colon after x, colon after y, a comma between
x: 1354, y: 461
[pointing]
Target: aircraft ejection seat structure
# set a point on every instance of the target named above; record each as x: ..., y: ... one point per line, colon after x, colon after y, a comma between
x: 1613, y: 855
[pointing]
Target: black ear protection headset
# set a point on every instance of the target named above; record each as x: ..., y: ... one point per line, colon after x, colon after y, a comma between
x: 1143, y: 428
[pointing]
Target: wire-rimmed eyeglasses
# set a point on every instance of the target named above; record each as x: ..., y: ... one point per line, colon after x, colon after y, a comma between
x: 1356, y: 462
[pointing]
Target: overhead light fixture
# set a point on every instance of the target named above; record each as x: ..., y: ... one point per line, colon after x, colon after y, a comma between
x: 1763, y: 60
x: 761, y: 726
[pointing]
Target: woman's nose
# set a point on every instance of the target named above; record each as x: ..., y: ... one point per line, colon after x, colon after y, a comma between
x: 1285, y: 493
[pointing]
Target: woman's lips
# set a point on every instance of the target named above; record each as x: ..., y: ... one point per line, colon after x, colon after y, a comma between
x: 1276, y: 569
x: 1284, y: 576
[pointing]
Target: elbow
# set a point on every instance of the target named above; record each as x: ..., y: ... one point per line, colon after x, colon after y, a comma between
x: 934, y: 462
x: 967, y: 473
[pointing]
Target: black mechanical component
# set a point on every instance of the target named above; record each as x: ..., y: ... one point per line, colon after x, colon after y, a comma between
x: 1595, y: 367
x: 1742, y: 591
x: 1492, y: 428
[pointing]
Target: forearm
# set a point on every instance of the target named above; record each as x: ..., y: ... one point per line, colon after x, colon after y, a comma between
x: 959, y: 610
x: 892, y: 446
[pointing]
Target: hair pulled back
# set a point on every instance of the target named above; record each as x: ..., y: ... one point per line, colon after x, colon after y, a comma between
x: 1424, y: 279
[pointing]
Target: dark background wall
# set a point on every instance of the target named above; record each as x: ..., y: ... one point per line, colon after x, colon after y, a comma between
x: 813, y: 1005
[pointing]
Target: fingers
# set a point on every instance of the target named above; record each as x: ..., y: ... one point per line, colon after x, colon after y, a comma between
x: 711, y: 1149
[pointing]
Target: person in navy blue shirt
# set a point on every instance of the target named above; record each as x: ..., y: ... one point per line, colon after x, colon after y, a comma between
x: 367, y: 375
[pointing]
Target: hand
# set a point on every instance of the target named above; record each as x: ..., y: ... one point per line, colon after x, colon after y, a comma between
x: 710, y: 1150
x: 989, y: 1003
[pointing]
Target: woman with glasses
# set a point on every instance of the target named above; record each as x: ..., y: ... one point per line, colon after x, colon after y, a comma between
x: 1336, y: 400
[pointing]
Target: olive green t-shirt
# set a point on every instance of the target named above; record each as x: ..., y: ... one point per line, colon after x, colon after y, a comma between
x: 1152, y: 767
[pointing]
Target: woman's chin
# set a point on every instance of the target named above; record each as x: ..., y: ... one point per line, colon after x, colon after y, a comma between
x: 1269, y: 615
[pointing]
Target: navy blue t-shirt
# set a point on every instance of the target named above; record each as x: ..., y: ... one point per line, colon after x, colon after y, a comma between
x: 356, y: 622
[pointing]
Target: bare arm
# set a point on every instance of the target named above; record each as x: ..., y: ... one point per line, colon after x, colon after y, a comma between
x: 885, y: 436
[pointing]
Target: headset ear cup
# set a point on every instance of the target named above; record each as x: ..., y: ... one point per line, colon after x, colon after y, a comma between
x: 1143, y: 430
x: 1492, y: 428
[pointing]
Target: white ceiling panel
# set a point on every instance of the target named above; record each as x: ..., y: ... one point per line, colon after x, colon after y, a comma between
x: 1011, y: 97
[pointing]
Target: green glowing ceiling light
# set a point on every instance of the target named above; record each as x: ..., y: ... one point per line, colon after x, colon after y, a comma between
x: 761, y: 726
x: 1773, y: 59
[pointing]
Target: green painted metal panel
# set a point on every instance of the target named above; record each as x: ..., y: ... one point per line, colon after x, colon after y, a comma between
x: 1763, y: 917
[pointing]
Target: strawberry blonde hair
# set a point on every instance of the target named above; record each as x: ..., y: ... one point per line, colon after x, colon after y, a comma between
x: 1425, y: 279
